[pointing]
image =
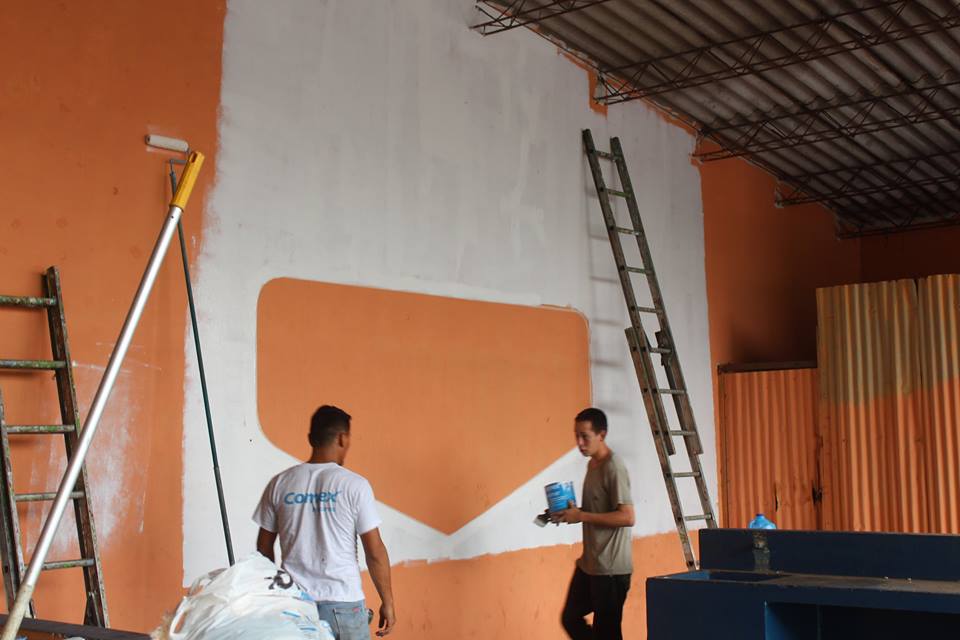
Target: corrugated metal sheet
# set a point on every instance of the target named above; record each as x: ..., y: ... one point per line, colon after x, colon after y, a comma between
x: 940, y: 359
x: 885, y: 403
x: 768, y: 434
x: 889, y: 110
x: 871, y: 410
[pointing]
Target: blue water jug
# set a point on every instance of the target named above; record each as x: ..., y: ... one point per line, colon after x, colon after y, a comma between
x: 761, y: 522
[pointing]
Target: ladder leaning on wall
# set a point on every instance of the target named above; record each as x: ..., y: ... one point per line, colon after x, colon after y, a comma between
x: 642, y: 350
x: 11, y: 548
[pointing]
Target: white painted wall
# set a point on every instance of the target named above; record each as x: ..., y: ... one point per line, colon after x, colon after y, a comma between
x: 387, y: 145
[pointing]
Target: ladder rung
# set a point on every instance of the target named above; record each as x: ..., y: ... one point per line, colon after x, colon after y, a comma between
x: 628, y: 231
x: 27, y: 301
x: 681, y: 432
x: 605, y: 155
x: 654, y: 350
x: 702, y: 516
x: 614, y: 192
x: 670, y: 392
x: 32, y: 364
x: 685, y: 474
x: 43, y: 497
x: 645, y: 309
x: 12, y: 429
x: 637, y: 269
x: 67, y: 564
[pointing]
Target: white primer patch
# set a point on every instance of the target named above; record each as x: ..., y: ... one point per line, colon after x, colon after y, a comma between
x: 388, y: 146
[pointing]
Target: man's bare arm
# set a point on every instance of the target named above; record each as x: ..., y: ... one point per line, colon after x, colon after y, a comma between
x: 378, y: 563
x: 622, y: 517
x: 265, y: 540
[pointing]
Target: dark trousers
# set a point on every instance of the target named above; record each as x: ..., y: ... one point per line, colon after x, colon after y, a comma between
x: 601, y: 595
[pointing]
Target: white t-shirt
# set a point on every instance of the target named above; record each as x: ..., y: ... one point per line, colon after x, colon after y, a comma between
x: 318, y: 510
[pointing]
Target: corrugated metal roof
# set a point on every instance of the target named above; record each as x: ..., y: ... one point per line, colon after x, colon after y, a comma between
x: 851, y: 103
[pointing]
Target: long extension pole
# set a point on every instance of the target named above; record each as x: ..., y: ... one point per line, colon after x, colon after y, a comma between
x: 25, y: 593
x: 203, y: 380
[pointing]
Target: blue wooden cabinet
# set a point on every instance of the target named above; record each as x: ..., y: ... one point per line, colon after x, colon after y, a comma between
x: 799, y: 585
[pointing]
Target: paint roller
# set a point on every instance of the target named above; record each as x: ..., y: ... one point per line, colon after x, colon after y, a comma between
x: 167, y: 143
x: 179, y: 146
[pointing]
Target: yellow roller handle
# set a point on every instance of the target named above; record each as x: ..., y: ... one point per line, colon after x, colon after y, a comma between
x: 187, y: 180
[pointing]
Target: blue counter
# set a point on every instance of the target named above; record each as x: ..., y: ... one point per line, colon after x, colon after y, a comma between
x: 793, y: 585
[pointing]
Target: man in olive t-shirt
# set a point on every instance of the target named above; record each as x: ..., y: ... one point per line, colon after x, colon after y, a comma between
x: 602, y: 576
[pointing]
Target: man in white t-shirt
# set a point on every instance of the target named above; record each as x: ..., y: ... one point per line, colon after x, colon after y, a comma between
x: 318, y: 509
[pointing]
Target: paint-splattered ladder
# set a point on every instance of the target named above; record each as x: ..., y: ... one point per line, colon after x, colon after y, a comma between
x: 642, y: 351
x: 11, y: 548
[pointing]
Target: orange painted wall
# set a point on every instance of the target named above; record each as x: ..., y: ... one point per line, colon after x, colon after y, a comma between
x: 470, y: 399
x: 82, y: 84
x: 82, y: 192
x: 763, y: 266
x: 474, y: 398
x: 514, y: 595
x: 911, y: 255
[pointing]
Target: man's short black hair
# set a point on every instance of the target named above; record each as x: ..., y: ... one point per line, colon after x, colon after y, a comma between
x: 596, y: 418
x: 327, y: 422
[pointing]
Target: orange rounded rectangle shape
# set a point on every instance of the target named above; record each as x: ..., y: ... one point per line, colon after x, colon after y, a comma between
x: 455, y: 403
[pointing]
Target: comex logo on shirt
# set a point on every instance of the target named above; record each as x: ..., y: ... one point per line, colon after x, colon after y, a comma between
x: 324, y: 501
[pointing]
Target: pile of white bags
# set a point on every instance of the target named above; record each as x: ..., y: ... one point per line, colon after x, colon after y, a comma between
x: 252, y: 600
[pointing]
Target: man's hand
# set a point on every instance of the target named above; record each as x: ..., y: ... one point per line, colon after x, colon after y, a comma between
x: 570, y: 515
x: 378, y: 564
x: 387, y: 620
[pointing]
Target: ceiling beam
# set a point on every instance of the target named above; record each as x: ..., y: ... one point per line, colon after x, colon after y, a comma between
x: 812, y: 124
x: 898, y: 169
x: 510, y: 14
x: 862, y: 232
x: 844, y: 193
x: 818, y: 38
x: 940, y: 207
x: 872, y: 181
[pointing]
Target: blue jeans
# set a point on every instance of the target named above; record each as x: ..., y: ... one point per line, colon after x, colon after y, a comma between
x: 347, y: 619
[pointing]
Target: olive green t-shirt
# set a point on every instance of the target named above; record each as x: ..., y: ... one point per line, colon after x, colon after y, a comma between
x: 606, y: 551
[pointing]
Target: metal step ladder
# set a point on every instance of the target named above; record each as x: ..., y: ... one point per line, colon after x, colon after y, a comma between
x: 643, y: 351
x: 11, y: 549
